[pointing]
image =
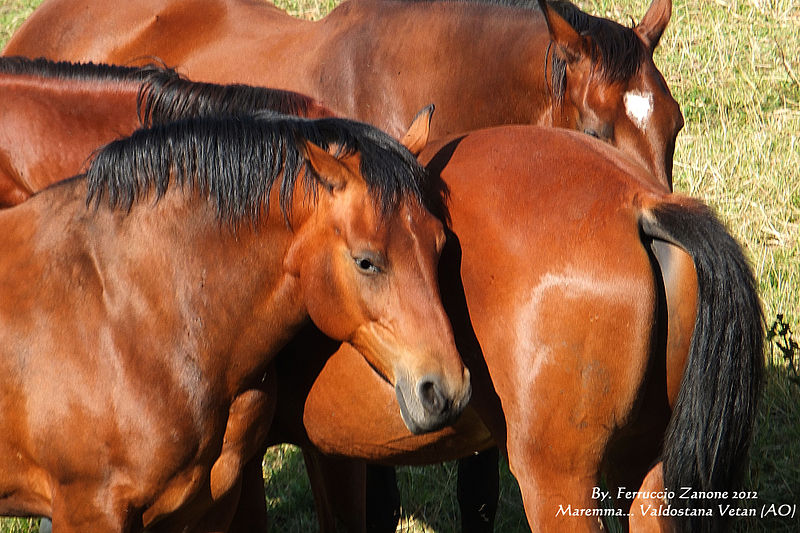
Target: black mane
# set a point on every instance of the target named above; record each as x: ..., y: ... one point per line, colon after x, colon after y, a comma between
x: 235, y: 162
x: 615, y: 49
x: 66, y: 70
x: 164, y: 98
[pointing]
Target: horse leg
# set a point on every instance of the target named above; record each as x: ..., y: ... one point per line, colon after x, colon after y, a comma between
x: 555, y: 448
x: 478, y: 491
x: 645, y: 516
x: 478, y: 488
x: 559, y: 424
x: 251, y: 513
x: 383, y: 499
x: 218, y: 518
x: 337, y: 484
x: 556, y: 500
x: 585, y: 375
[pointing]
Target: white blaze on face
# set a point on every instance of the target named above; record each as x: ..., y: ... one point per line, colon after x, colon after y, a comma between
x: 639, y: 107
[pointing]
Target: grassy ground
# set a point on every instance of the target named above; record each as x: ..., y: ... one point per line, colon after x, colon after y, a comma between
x: 734, y: 67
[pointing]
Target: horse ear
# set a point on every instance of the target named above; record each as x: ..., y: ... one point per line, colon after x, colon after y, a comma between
x: 416, y: 138
x: 569, y: 43
x: 654, y: 22
x: 331, y: 172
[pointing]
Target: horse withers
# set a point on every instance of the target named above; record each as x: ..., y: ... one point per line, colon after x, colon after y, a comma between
x: 142, y: 303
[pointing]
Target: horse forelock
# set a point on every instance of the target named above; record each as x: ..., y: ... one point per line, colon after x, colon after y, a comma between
x: 616, y: 51
x: 236, y: 161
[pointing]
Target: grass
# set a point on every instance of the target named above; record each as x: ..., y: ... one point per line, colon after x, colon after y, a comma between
x: 734, y: 67
x: 12, y: 14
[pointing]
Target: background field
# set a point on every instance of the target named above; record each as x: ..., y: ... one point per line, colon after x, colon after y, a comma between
x: 734, y: 66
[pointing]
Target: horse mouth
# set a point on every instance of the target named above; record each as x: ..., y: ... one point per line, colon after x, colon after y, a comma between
x: 417, y: 419
x: 410, y: 423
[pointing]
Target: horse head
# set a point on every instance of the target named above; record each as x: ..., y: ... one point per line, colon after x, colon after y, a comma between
x: 367, y: 258
x: 607, y: 85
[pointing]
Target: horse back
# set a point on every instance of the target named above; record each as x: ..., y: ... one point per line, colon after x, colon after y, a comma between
x: 185, y: 34
x: 375, y: 61
x: 561, y: 259
x: 74, y: 116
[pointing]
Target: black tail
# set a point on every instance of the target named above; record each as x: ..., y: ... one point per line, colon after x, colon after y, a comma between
x: 707, y: 441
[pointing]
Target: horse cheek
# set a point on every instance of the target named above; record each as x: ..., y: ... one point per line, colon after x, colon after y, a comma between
x: 331, y: 302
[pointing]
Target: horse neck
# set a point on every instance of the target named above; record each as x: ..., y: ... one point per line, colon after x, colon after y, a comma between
x: 232, y: 295
x: 77, y: 116
x: 484, y: 53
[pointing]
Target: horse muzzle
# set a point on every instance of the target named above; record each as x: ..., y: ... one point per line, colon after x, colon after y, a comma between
x: 428, y: 405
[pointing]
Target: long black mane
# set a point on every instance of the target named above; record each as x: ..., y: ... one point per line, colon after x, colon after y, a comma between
x: 66, y: 70
x: 164, y: 98
x: 235, y: 162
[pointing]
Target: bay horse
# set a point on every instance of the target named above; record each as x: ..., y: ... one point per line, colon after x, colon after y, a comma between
x: 612, y: 331
x: 150, y: 294
x: 54, y: 115
x: 380, y: 61
x: 44, y: 102
x: 471, y: 434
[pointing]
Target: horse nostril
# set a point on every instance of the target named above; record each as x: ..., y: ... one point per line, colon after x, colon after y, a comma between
x: 431, y: 397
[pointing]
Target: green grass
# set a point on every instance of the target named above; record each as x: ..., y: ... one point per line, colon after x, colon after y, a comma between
x: 427, y: 495
x: 12, y: 13
x: 734, y: 67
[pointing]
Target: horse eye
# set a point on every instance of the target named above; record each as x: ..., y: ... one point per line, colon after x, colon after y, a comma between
x: 366, y: 266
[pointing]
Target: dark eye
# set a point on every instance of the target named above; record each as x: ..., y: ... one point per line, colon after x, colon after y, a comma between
x: 367, y: 266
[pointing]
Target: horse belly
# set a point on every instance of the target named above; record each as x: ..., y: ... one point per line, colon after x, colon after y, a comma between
x: 366, y: 423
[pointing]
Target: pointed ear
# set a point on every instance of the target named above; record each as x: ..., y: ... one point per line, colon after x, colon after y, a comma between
x: 654, y: 22
x: 416, y: 138
x: 569, y: 43
x: 333, y: 174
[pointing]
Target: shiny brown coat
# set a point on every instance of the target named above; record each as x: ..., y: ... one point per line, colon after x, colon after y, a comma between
x: 381, y: 61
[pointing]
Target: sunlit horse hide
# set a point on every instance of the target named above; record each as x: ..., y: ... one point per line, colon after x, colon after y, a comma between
x: 53, y: 116
x: 468, y: 434
x: 608, y: 326
x: 380, y: 61
x: 142, y: 303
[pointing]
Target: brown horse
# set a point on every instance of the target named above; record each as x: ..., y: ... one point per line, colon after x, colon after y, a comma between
x: 151, y: 294
x: 607, y: 326
x: 382, y: 60
x: 394, y: 446
x: 54, y: 115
